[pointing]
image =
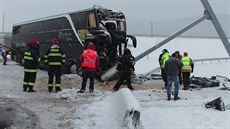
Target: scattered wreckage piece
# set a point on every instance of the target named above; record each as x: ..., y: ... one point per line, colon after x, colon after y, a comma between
x: 217, y: 104
x: 203, y: 82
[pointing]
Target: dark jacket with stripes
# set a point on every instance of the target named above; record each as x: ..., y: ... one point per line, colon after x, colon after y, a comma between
x: 31, y: 59
x: 55, y: 56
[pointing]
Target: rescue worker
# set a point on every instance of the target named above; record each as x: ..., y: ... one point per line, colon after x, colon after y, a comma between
x: 187, y: 68
x: 89, y: 62
x: 172, y: 68
x: 179, y: 56
x: 162, y: 60
x: 54, y: 58
x: 126, y: 66
x: 31, y: 64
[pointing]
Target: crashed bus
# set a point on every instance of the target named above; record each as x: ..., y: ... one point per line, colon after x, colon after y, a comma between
x: 104, y: 27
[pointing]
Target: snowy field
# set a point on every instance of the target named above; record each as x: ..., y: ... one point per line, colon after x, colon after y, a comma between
x: 70, y: 110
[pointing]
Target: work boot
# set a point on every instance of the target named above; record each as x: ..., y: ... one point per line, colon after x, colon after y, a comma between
x: 169, y: 97
x: 115, y: 89
x: 90, y: 91
x: 50, y: 89
x: 81, y: 91
x: 25, y: 88
x: 58, y: 89
x: 176, y: 97
x: 31, y: 89
x: 131, y: 88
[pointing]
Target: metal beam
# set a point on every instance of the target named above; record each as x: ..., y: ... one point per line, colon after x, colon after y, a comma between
x: 172, y: 37
x: 217, y: 25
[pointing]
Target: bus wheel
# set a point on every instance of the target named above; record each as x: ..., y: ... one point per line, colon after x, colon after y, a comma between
x: 22, y: 61
x: 72, y: 68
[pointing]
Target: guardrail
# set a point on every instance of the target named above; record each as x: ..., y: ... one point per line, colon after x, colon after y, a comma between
x: 211, y: 59
x: 194, y: 61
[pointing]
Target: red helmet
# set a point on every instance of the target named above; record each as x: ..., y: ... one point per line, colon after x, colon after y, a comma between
x: 34, y: 42
x: 55, y: 41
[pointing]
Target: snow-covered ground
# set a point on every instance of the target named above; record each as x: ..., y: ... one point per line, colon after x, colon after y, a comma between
x: 70, y: 110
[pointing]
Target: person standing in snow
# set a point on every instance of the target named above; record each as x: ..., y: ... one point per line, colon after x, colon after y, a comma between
x: 54, y: 58
x: 164, y: 56
x: 179, y: 56
x: 4, y: 56
x: 89, y: 62
x: 187, y: 68
x: 172, y: 68
x: 31, y: 64
x: 1, y: 48
x: 126, y: 66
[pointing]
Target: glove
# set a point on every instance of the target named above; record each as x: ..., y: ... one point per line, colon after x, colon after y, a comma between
x: 192, y: 71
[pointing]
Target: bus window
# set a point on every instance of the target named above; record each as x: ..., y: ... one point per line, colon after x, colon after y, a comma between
x: 121, y: 26
x: 16, y: 30
x: 92, y: 20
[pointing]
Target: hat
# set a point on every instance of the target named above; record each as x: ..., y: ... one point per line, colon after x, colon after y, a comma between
x: 185, y: 54
x: 33, y: 42
x: 164, y: 50
x: 55, y: 41
x: 91, y: 46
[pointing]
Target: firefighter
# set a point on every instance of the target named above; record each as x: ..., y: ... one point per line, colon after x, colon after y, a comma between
x: 89, y: 63
x: 126, y: 66
x: 187, y: 68
x: 54, y: 58
x: 31, y: 65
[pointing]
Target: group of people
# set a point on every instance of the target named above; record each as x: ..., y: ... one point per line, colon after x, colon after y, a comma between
x: 175, y: 69
x: 55, y: 58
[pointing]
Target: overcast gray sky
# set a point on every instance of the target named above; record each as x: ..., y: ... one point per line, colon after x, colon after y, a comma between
x: 16, y: 11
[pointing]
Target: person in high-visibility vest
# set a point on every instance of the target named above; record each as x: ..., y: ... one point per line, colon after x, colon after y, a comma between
x: 31, y: 65
x: 187, y: 68
x: 162, y: 60
x: 89, y: 63
x: 54, y: 58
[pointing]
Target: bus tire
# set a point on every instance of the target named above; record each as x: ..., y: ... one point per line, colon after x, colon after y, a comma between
x: 72, y: 67
x: 22, y: 61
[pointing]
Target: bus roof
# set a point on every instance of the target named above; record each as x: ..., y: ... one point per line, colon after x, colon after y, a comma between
x: 94, y: 8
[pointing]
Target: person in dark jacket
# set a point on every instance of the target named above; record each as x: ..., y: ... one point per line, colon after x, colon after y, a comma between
x: 179, y: 56
x: 126, y: 67
x: 172, y: 68
x: 89, y: 62
x: 55, y: 58
x: 31, y: 64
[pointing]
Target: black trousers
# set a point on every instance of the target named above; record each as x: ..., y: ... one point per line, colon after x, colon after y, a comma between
x: 54, y: 71
x: 180, y: 77
x: 29, y: 79
x: 85, y: 76
x: 164, y: 77
x: 186, y: 79
x: 125, y: 76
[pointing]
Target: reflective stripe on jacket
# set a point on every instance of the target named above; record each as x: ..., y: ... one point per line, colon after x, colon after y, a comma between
x: 31, y: 60
x: 90, y: 57
x: 186, y: 64
x: 54, y: 56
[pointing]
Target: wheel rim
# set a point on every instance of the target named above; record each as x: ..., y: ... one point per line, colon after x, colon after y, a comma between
x: 73, y: 69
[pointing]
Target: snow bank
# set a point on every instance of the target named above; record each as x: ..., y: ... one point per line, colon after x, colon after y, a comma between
x: 125, y: 106
x: 120, y: 110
